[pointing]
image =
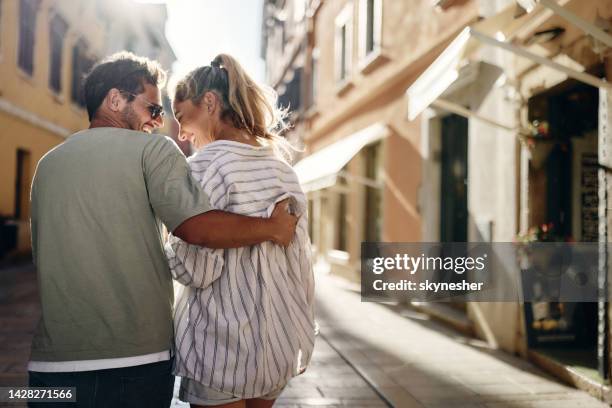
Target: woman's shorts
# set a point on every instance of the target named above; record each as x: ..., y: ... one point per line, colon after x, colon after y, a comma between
x: 193, y: 392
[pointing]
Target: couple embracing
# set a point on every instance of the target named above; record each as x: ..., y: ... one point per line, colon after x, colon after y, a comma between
x: 242, y: 324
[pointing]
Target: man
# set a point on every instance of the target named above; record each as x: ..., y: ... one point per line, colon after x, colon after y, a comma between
x: 105, y: 286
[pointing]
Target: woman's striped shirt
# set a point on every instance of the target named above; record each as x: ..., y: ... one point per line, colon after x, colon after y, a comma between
x: 244, y: 319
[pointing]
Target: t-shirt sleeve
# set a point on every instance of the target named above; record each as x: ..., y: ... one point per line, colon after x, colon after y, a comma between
x: 173, y: 193
x: 193, y: 265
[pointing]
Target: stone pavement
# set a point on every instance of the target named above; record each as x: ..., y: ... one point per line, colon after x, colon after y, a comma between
x: 405, y: 358
x: 19, y: 312
x: 328, y: 382
x: 414, y: 362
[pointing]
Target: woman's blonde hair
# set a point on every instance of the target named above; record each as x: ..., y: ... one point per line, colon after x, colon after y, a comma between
x: 246, y: 105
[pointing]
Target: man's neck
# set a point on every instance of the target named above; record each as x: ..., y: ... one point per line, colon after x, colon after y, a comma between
x: 107, y: 122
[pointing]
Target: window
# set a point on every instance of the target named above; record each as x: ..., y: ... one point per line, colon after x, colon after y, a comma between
x: 154, y: 41
x: 291, y: 97
x: 56, y: 42
x: 341, y: 215
x: 314, y: 77
x: 283, y: 36
x: 370, y: 27
x: 27, y: 31
x: 344, y: 43
x: 80, y: 66
x: 1, y: 5
x: 373, y: 195
x: 130, y: 43
x: 311, y: 219
x: 22, y: 185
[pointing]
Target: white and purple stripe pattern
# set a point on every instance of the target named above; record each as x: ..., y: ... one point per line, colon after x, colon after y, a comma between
x: 244, y: 319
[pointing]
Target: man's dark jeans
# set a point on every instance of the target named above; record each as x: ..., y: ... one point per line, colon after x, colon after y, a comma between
x: 148, y: 385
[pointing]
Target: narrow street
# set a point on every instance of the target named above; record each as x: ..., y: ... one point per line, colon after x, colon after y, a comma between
x: 329, y: 382
x: 19, y: 312
x: 368, y: 355
x: 414, y: 362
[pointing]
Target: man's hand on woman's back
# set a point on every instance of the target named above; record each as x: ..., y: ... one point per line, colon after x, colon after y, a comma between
x: 284, y: 222
x: 220, y: 229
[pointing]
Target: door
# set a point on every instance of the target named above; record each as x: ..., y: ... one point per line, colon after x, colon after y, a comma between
x: 454, y: 173
x: 453, y: 192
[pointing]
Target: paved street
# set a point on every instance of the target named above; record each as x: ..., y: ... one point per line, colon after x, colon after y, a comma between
x: 329, y: 382
x: 407, y: 359
x: 19, y: 312
x: 415, y: 362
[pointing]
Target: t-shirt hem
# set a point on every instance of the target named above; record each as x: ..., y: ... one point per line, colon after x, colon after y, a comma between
x: 97, y: 364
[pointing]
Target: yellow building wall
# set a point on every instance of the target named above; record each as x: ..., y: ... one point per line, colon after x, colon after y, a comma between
x: 32, y: 95
x: 16, y: 134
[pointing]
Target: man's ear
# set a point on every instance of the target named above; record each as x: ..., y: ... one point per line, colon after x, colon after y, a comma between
x: 115, y: 100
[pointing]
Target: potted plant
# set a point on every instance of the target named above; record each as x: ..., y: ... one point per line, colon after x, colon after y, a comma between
x: 539, y: 267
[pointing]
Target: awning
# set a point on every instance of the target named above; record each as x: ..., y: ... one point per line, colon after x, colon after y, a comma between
x: 592, y: 30
x: 446, y: 69
x: 321, y: 169
x: 451, y: 64
x: 438, y: 76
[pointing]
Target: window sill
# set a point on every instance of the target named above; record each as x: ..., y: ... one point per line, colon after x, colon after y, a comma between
x: 29, y: 78
x: 57, y: 97
x: 344, y: 86
x: 372, y: 61
x: 76, y: 108
x: 311, y: 113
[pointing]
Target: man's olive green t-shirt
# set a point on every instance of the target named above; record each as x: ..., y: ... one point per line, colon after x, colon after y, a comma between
x: 98, y: 201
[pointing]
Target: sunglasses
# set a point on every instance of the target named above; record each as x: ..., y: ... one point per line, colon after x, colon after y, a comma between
x: 157, y: 111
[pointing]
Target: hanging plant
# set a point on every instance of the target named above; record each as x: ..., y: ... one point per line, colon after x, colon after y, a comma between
x: 539, y: 142
x: 540, y: 233
x: 539, y: 129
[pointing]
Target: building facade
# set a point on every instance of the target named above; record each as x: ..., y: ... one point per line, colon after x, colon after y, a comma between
x: 462, y: 121
x: 354, y: 71
x: 46, y: 47
x: 529, y: 84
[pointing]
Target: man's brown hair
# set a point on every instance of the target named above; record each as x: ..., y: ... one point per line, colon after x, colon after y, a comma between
x: 123, y: 71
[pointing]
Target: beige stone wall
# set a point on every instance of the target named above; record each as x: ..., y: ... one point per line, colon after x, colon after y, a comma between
x: 413, y: 33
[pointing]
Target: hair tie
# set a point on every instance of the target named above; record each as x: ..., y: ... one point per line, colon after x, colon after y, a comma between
x: 215, y: 64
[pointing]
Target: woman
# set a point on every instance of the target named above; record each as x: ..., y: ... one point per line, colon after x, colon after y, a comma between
x: 244, y: 319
